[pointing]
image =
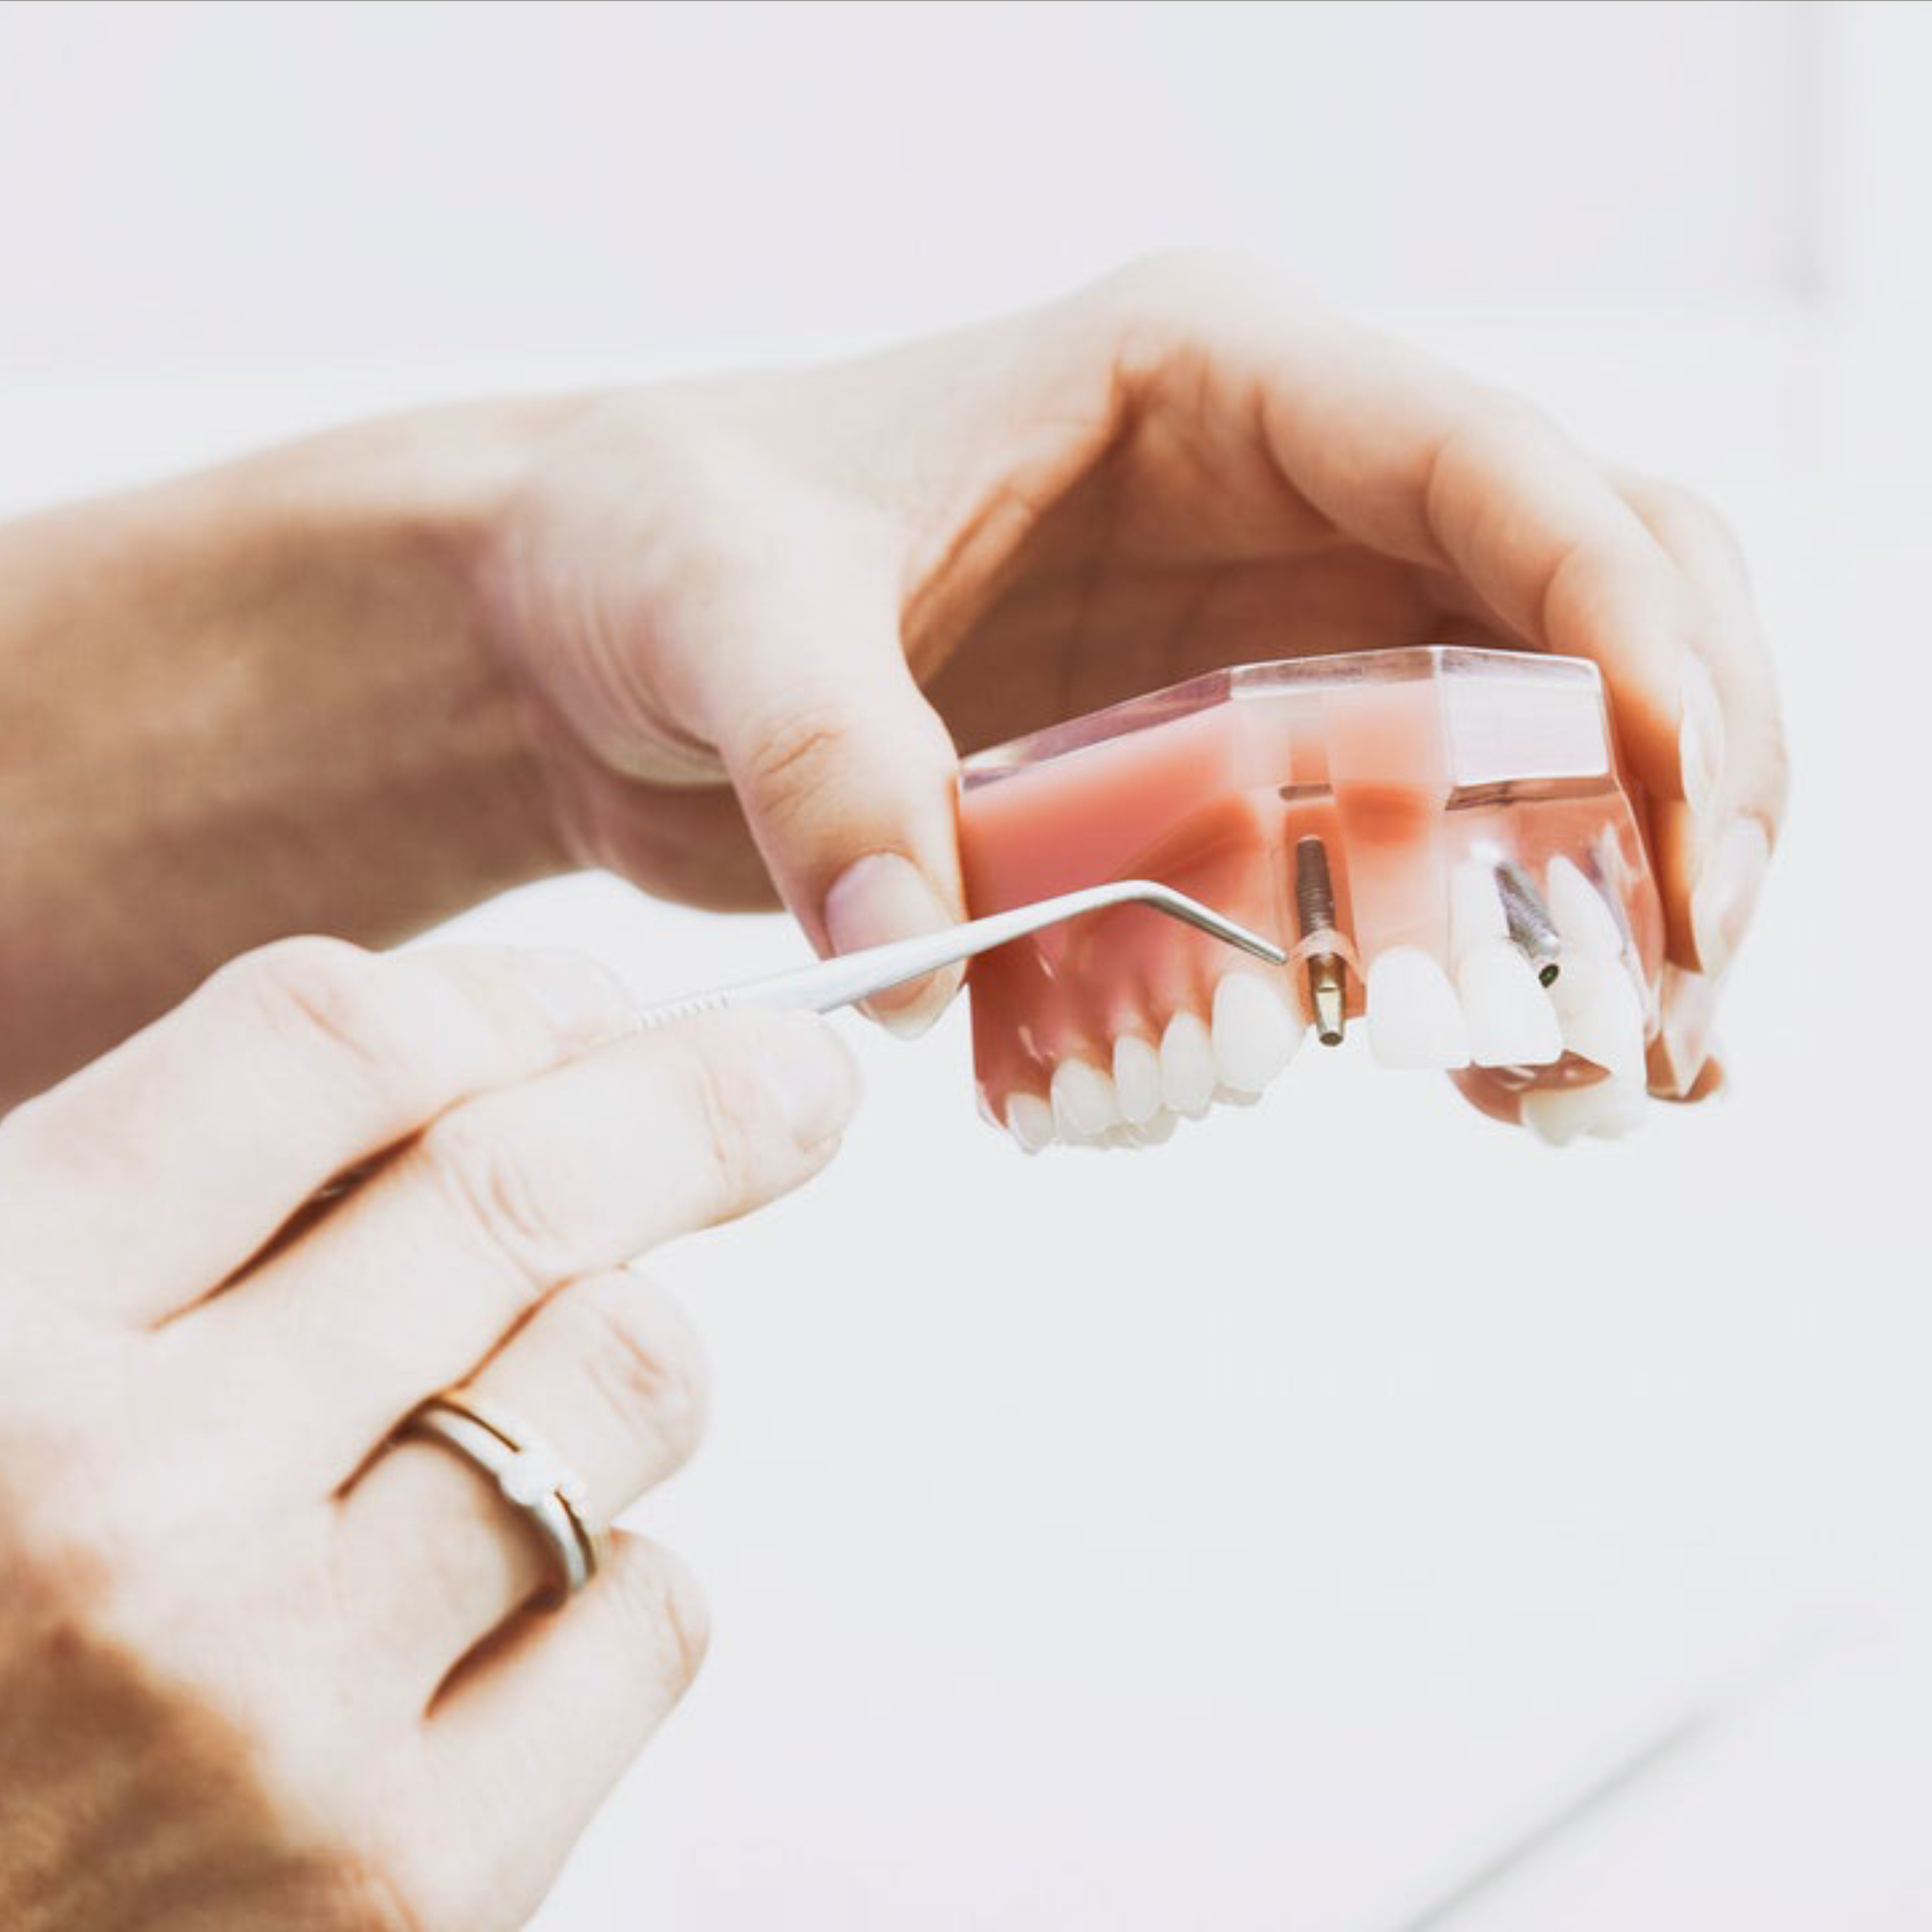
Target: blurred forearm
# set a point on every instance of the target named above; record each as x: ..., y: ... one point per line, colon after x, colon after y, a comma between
x: 255, y: 702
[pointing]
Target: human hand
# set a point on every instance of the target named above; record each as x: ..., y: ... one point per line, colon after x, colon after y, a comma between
x: 257, y: 1668
x: 821, y: 584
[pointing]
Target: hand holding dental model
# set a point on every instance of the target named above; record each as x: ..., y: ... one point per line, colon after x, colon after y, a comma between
x: 290, y: 1462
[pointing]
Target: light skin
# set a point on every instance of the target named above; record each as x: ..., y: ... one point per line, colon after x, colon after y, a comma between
x: 728, y: 638
x: 256, y: 1668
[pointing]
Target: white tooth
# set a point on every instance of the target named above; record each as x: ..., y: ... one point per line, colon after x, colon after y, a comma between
x: 1512, y: 1023
x: 1475, y: 908
x: 1579, y: 910
x: 1030, y: 1121
x: 1414, y: 1018
x: 1083, y: 1100
x: 1119, y: 1135
x: 1187, y: 1065
x: 1255, y: 1035
x: 1136, y: 1079
x: 1160, y: 1128
x: 1605, y: 1107
x: 1603, y: 1017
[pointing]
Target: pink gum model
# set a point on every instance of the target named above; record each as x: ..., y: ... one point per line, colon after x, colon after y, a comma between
x: 1443, y: 838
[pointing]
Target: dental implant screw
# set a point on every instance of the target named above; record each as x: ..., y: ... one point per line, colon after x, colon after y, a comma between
x: 1315, y: 912
x: 1532, y: 931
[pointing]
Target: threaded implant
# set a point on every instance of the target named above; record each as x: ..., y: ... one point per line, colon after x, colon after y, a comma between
x: 1315, y: 912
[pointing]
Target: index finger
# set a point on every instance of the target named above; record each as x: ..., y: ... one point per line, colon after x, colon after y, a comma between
x: 151, y: 1176
x: 1412, y: 458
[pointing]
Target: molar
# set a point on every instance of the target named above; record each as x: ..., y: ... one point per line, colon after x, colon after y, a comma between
x: 1605, y: 1109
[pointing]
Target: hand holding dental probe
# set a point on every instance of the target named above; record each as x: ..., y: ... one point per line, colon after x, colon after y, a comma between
x: 1178, y: 470
x: 280, y: 1505
x: 728, y: 638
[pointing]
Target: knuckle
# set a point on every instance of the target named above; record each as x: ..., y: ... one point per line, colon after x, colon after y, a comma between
x: 1181, y: 283
x: 329, y: 1002
x: 1490, y: 442
x: 497, y: 1190
x: 645, y: 1363
x: 725, y: 1103
x: 662, y: 1612
x: 1675, y: 509
x: 787, y: 755
x: 1496, y: 433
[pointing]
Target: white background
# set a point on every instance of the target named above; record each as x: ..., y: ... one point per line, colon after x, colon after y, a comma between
x: 1265, y: 1531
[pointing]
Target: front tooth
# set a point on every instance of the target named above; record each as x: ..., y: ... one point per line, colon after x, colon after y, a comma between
x: 1414, y: 1018
x: 1187, y: 1065
x: 1603, y: 1018
x: 1511, y: 1021
x: 1083, y: 1100
x: 1475, y: 908
x: 1030, y: 1121
x: 1579, y: 910
x: 1154, y: 1131
x: 1136, y: 1079
x: 1606, y: 1108
x: 1254, y: 1034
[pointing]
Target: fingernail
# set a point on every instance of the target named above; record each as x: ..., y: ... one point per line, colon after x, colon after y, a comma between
x: 1701, y: 736
x: 881, y: 898
x: 585, y: 1002
x: 1726, y: 894
x: 812, y: 1076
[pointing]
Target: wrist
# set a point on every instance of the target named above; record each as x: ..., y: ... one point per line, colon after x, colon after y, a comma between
x: 390, y: 528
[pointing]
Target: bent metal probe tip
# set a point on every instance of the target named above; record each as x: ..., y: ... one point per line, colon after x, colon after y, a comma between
x: 851, y: 976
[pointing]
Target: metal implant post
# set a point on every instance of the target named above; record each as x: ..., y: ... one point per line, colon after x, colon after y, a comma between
x: 1532, y: 931
x: 1315, y: 912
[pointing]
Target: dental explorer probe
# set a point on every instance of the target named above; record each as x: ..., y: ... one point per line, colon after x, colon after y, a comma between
x: 851, y: 976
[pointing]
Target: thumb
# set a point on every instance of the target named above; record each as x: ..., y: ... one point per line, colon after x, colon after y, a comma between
x: 846, y: 777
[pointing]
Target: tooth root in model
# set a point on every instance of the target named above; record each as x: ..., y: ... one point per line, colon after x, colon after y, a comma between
x: 1475, y: 908
x: 1584, y: 920
x: 1315, y: 912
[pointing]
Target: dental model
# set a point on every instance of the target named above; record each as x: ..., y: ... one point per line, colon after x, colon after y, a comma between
x: 1442, y: 839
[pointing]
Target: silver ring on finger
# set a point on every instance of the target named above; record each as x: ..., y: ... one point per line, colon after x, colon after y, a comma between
x: 530, y: 1475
